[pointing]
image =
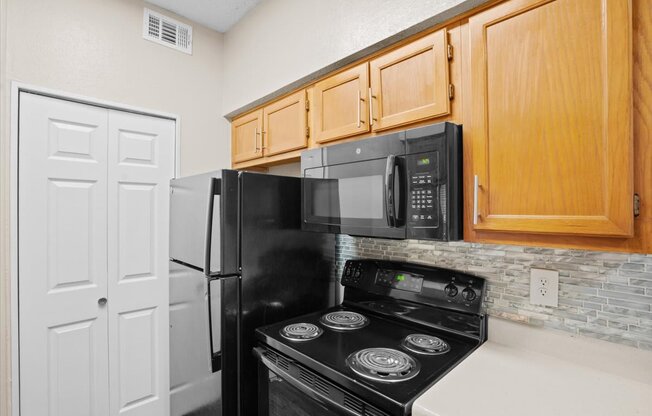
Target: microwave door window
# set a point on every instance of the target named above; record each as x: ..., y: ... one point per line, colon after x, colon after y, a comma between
x: 348, y: 198
x: 351, y: 195
x: 361, y: 197
x: 325, y: 200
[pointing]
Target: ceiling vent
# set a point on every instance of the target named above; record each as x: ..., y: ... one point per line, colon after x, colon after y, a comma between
x: 167, y: 31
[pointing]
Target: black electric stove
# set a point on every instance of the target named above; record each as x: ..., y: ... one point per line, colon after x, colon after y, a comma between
x: 400, y: 328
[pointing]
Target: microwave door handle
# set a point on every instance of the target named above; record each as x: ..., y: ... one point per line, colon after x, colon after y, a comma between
x: 390, y: 203
x: 216, y: 357
x: 399, y: 200
x: 315, y: 395
x: 214, y: 189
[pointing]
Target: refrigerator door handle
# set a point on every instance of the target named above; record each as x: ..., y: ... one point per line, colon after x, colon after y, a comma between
x: 215, y: 187
x: 216, y: 357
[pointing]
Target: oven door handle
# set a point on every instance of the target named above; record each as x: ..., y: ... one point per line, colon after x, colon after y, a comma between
x: 317, y: 396
x: 390, y: 203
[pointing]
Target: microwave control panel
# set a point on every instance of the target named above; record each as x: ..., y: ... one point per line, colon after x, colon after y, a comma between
x: 422, y: 204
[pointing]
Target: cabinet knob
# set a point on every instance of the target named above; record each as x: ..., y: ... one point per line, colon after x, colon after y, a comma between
x: 101, y: 301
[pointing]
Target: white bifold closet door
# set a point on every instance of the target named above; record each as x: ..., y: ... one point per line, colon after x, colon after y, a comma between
x: 93, y: 256
x: 140, y: 169
x: 62, y: 266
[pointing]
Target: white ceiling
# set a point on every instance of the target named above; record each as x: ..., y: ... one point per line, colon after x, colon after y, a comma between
x: 216, y: 14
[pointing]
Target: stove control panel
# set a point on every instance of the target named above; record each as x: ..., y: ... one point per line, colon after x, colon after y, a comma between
x: 399, y: 280
x: 469, y: 294
x: 450, y: 290
x: 462, y: 290
x: 352, y: 273
x: 415, y: 282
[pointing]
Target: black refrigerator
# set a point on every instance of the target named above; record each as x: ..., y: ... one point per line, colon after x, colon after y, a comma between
x: 238, y: 260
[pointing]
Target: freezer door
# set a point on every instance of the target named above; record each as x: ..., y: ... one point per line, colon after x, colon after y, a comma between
x: 195, y: 221
x: 195, y: 381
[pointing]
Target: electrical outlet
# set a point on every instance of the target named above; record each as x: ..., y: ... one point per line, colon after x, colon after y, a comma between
x: 544, y: 287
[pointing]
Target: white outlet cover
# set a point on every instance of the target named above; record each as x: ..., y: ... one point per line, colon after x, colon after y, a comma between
x: 544, y: 287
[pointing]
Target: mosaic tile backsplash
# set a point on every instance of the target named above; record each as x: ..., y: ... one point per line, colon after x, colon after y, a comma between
x: 601, y: 294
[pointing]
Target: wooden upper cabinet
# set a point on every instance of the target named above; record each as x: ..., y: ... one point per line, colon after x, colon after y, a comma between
x: 285, y: 125
x: 411, y: 83
x: 551, y: 117
x: 340, y: 106
x: 246, y: 140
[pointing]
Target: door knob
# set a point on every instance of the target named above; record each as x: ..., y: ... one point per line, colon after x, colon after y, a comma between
x: 101, y: 301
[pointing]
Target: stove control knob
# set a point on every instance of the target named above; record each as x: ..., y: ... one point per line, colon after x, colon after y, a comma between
x: 348, y: 271
x: 357, y: 274
x: 469, y: 294
x: 450, y: 290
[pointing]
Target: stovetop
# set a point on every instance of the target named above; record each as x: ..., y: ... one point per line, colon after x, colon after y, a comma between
x: 328, y: 353
x: 372, y: 347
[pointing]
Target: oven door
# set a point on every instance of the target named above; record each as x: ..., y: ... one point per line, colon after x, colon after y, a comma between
x: 288, y: 389
x: 364, y: 197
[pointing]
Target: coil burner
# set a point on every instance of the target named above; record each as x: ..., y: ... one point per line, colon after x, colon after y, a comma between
x: 383, y: 364
x: 425, y: 344
x: 301, y: 332
x: 344, y: 320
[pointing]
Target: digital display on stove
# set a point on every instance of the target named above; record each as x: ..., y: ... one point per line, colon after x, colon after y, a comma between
x: 399, y: 280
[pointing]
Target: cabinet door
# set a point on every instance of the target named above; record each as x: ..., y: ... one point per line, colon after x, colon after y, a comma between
x: 286, y: 125
x: 246, y: 137
x: 341, y: 106
x: 551, y: 117
x: 411, y: 83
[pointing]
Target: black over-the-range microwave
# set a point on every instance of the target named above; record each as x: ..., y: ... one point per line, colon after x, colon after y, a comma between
x: 400, y: 185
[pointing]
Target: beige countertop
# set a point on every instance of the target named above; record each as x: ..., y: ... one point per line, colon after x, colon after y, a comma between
x: 525, y: 371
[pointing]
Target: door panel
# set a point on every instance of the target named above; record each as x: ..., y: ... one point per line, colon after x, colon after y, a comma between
x: 137, y: 148
x: 70, y: 368
x: 246, y: 137
x: 137, y: 231
x: 411, y: 83
x: 551, y: 125
x: 340, y: 105
x: 137, y: 356
x: 62, y: 264
x: 140, y: 167
x: 71, y: 206
x: 69, y: 140
x: 285, y: 124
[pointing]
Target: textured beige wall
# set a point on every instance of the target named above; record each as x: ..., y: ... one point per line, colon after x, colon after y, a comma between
x: 280, y: 41
x: 95, y: 48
